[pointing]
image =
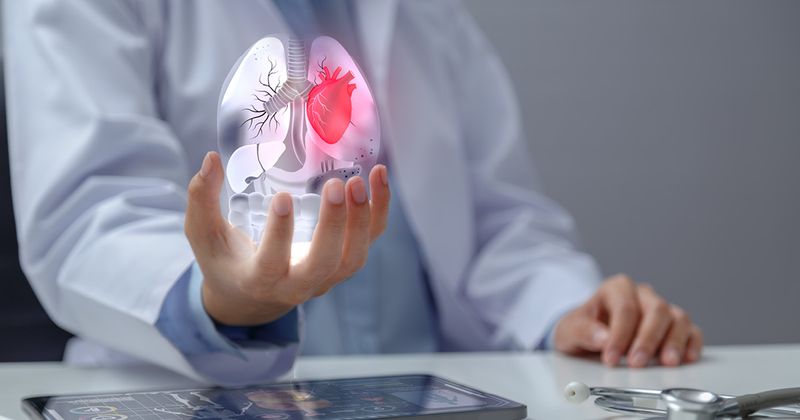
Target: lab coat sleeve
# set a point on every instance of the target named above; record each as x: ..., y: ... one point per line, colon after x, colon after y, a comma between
x: 528, y: 270
x: 99, y: 180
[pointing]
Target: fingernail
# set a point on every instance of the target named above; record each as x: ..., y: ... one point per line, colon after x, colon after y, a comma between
x: 639, y: 359
x: 611, y: 357
x: 281, y: 204
x: 672, y: 357
x: 335, y: 192
x: 205, y: 168
x: 384, y: 176
x: 599, y: 338
x: 358, y: 191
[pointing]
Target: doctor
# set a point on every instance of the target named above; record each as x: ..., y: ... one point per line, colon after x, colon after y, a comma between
x: 112, y: 110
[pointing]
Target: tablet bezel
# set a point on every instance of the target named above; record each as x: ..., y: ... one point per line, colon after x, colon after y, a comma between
x: 35, y: 406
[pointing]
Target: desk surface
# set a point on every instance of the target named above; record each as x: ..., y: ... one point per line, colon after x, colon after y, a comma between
x: 535, y: 379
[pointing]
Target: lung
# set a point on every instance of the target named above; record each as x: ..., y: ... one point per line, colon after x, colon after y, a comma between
x: 293, y: 114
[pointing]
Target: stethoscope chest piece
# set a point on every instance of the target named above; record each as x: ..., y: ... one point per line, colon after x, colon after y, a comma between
x: 691, y: 404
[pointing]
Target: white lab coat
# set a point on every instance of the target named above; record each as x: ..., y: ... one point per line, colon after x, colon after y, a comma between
x: 111, y: 107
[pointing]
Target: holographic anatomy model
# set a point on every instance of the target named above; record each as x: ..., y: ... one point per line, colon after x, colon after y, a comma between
x: 293, y: 114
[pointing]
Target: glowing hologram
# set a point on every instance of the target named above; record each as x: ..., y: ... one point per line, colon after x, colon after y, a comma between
x: 293, y: 114
x: 248, y: 210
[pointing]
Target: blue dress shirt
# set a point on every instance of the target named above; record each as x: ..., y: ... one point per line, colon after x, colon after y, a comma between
x: 384, y: 308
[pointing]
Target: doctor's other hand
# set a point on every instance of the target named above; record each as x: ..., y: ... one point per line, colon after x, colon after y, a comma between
x: 625, y: 318
x: 246, y: 284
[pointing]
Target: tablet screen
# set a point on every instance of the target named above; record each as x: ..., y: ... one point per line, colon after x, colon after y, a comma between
x: 412, y: 396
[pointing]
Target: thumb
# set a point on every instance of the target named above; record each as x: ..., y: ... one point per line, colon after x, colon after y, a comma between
x: 204, y: 224
x: 581, y: 332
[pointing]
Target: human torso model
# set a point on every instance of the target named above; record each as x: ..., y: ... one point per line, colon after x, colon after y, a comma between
x: 293, y: 114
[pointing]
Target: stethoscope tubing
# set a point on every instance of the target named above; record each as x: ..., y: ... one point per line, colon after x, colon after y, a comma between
x: 621, y: 393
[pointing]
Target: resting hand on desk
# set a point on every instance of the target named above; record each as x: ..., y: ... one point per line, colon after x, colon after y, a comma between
x: 247, y: 284
x: 626, y: 318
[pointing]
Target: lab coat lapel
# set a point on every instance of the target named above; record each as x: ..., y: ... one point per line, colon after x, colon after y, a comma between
x: 417, y: 141
x: 376, y: 23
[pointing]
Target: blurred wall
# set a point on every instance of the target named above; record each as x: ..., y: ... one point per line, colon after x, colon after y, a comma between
x: 671, y: 131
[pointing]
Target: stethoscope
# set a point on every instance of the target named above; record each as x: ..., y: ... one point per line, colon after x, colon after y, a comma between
x: 688, y: 404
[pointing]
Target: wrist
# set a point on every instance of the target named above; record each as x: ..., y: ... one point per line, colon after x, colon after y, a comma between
x: 239, y: 310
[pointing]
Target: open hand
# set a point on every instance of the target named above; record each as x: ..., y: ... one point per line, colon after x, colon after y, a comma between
x: 624, y: 318
x: 247, y: 284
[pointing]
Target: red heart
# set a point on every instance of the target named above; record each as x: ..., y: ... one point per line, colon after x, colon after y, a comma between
x: 329, y: 107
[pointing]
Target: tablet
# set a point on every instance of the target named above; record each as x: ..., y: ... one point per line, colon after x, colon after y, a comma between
x: 396, y: 397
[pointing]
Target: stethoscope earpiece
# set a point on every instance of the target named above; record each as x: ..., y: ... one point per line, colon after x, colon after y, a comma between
x: 576, y: 392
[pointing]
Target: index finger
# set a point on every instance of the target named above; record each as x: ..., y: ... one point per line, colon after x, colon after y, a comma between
x: 622, y: 304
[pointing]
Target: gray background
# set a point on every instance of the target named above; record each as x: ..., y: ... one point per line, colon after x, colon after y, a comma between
x: 671, y: 131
